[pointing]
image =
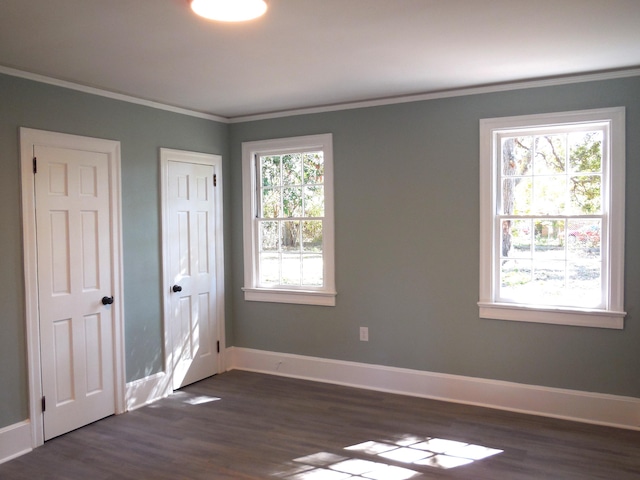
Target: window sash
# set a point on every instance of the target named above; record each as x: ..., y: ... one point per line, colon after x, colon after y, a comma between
x: 565, y: 257
x: 280, y: 252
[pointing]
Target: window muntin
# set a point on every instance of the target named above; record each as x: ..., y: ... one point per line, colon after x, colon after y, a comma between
x: 288, y: 220
x: 552, y: 218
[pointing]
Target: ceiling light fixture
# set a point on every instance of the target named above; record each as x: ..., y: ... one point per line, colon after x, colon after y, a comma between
x: 229, y: 10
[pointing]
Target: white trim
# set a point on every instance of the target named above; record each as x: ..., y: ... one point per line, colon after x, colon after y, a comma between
x: 147, y: 390
x: 166, y: 155
x: 419, y: 97
x: 15, y: 440
x: 611, y: 314
x: 587, y: 407
x: 112, y: 95
x: 300, y: 297
x: 324, y: 296
x: 451, y: 93
x: 28, y: 139
x: 556, y: 316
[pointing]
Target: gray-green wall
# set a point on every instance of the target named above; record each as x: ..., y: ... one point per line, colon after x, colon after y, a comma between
x: 407, y: 232
x: 406, y: 193
x: 141, y: 131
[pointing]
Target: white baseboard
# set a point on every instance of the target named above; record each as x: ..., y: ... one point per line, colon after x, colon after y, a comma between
x: 147, y: 390
x: 594, y: 408
x: 15, y: 440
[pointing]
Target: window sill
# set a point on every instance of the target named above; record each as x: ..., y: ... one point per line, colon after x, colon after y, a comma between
x: 301, y: 297
x: 558, y: 316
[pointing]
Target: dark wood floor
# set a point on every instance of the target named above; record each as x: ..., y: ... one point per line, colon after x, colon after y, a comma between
x: 242, y: 425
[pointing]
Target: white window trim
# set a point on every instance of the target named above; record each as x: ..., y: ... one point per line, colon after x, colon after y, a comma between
x: 325, y: 296
x: 612, y: 316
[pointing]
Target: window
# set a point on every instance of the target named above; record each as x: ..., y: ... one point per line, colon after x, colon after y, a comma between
x: 288, y: 220
x: 552, y: 218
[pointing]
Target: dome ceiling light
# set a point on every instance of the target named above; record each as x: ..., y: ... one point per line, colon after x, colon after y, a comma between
x: 229, y: 10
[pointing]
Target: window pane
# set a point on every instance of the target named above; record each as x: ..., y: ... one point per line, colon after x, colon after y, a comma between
x: 269, y: 236
x: 314, y: 201
x: 312, y: 265
x: 312, y: 236
x: 549, y: 195
x: 516, y: 156
x: 269, y: 268
x: 290, y: 236
x: 515, y: 277
x: 517, y: 196
x: 292, y: 201
x: 584, y: 194
x: 549, y: 281
x: 313, y: 167
x: 553, y: 282
x: 271, y: 201
x: 516, y: 238
x: 270, y: 171
x: 583, y: 239
x: 550, y: 154
x: 291, y: 266
x: 549, y: 239
x: 292, y: 169
x: 585, y: 154
x: 584, y: 283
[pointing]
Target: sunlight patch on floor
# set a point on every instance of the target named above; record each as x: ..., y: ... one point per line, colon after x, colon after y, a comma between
x: 191, y: 399
x: 378, y: 460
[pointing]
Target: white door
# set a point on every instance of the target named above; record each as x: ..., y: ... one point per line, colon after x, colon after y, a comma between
x: 72, y: 202
x: 191, y: 254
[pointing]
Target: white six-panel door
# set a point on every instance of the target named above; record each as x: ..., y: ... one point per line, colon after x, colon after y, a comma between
x: 72, y: 270
x: 76, y: 328
x: 191, y: 243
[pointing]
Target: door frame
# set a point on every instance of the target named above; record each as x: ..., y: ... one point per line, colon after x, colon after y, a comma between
x: 167, y: 155
x: 28, y: 139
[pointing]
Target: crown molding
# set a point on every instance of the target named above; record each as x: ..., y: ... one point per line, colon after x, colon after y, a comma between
x: 105, y: 93
x: 502, y: 87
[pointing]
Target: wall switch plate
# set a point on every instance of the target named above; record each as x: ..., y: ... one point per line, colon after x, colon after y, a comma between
x: 364, y: 334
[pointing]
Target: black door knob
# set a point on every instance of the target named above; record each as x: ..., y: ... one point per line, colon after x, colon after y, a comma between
x: 107, y: 300
x: 176, y: 288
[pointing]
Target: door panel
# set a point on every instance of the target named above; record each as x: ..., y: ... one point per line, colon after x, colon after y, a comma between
x: 191, y: 241
x: 72, y: 202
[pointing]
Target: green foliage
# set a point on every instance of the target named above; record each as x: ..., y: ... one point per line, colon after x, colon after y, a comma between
x: 542, y: 163
x: 586, y: 152
x: 586, y: 160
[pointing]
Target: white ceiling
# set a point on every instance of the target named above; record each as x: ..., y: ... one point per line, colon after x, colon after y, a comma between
x: 310, y: 53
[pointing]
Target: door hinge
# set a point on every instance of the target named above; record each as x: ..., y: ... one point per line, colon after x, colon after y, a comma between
x: 44, y: 404
x: 35, y: 165
x: 215, y: 180
x: 218, y: 346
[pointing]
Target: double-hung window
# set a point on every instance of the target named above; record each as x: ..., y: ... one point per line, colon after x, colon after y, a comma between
x: 552, y: 218
x: 288, y: 220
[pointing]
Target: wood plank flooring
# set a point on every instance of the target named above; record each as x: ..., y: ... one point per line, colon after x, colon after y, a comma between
x: 242, y: 425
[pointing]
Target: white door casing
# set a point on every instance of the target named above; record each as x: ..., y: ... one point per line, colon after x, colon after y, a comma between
x: 71, y: 224
x: 192, y: 264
